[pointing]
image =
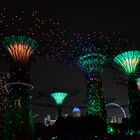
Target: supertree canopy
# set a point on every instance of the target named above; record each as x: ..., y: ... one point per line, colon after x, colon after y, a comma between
x: 88, y: 53
x: 119, y: 43
x: 19, y: 47
x: 129, y: 61
x: 92, y: 62
x: 59, y: 99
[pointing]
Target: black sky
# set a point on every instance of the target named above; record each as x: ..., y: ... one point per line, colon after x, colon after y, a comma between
x: 81, y: 17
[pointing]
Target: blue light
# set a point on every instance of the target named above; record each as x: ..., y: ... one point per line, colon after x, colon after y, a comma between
x: 76, y: 109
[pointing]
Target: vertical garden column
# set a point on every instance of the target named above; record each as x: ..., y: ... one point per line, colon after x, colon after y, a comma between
x: 128, y: 62
x: 18, y: 115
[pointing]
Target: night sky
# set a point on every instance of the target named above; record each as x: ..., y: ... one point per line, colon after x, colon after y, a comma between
x: 81, y: 18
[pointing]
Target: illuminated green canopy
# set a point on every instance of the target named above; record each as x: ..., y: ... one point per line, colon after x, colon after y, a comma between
x: 59, y: 97
x: 138, y: 79
x: 19, y: 39
x: 128, y: 61
x: 92, y: 62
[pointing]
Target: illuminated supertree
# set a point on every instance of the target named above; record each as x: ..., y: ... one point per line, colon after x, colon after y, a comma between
x: 59, y: 99
x: 128, y: 62
x: 20, y: 49
x: 89, y: 55
x: 19, y: 30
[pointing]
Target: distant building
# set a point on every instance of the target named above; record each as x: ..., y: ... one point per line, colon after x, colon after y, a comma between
x: 48, y: 121
x: 76, y: 112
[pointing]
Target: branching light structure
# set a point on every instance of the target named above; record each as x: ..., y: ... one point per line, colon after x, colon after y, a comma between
x: 59, y: 99
x: 88, y: 55
x: 20, y: 49
x: 128, y: 62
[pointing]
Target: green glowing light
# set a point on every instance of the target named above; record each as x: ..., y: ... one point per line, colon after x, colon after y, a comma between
x: 94, y: 106
x: 95, y: 99
x: 128, y: 61
x: 110, y: 130
x: 138, y: 79
x: 15, y: 39
x: 59, y: 97
x: 18, y: 113
x: 138, y: 83
x: 133, y: 132
x: 92, y: 61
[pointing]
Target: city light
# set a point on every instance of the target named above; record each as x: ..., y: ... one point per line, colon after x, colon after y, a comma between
x: 76, y: 109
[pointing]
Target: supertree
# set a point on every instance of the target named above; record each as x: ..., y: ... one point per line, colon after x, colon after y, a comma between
x: 20, y: 49
x: 59, y: 99
x: 19, y: 30
x: 128, y: 62
x: 89, y: 54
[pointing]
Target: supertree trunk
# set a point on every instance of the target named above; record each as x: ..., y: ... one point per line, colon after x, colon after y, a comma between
x: 95, y: 97
x: 59, y: 111
x: 134, y: 105
x: 128, y: 62
x: 18, y: 116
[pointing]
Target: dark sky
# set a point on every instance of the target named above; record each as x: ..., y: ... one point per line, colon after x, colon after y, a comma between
x: 81, y: 17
